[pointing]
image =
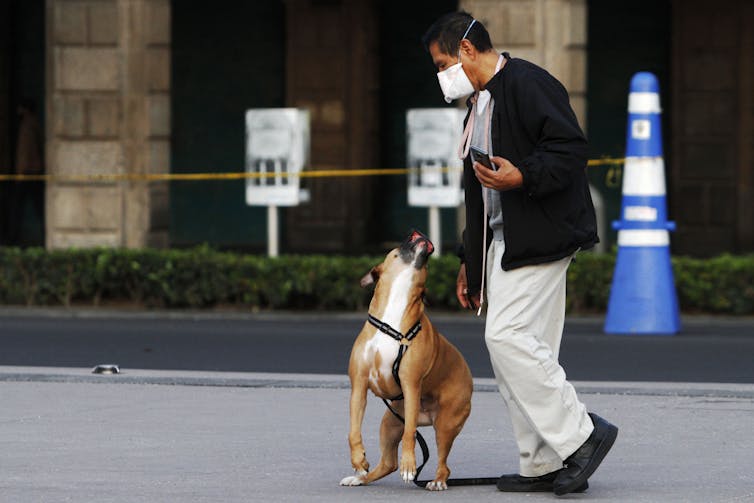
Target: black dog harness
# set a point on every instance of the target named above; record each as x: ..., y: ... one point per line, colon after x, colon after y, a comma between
x: 405, y: 342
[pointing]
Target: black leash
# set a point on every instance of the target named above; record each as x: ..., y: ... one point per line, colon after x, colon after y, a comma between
x: 405, y: 341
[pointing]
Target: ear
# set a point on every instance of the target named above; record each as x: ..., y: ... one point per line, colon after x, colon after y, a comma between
x: 467, y: 48
x: 371, y: 277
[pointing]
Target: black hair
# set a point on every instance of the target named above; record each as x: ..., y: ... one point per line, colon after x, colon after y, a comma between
x: 448, y: 30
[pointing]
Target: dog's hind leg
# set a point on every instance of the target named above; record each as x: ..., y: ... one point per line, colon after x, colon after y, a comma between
x: 448, y: 425
x: 391, y: 430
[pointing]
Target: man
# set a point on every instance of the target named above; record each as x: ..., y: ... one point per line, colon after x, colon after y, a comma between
x: 525, y: 220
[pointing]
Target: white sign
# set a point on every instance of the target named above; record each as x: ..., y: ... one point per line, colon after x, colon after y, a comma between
x: 277, y: 149
x: 433, y: 135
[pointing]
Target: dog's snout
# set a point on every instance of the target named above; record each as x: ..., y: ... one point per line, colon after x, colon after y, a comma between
x: 416, y: 248
x: 417, y: 238
x: 428, y: 245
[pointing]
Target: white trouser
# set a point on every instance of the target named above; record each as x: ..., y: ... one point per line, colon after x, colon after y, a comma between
x: 525, y: 315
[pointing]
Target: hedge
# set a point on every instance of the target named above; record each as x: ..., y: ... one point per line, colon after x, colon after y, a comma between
x: 205, y: 278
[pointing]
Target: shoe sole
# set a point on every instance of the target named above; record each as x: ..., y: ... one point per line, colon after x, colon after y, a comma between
x: 599, y: 455
x: 540, y: 488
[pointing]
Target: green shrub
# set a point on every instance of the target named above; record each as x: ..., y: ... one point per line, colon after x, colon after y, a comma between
x: 723, y: 284
x: 588, y: 285
x: 204, y: 278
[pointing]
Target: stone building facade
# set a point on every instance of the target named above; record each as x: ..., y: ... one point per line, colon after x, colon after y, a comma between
x: 550, y: 33
x: 108, y: 98
x: 110, y: 70
x: 108, y: 111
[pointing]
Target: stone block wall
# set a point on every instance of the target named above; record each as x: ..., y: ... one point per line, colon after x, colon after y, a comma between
x: 108, y: 106
x: 549, y: 33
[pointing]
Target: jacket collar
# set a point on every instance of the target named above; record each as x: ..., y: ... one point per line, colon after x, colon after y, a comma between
x: 494, y: 82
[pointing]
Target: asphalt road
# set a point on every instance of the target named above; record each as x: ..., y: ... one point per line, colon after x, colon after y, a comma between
x: 708, y: 350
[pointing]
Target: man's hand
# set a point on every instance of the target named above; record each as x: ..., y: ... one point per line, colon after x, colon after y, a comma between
x: 506, y: 177
x: 462, y: 291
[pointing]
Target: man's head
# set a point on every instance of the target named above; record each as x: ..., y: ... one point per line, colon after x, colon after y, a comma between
x: 461, y: 51
x: 447, y: 32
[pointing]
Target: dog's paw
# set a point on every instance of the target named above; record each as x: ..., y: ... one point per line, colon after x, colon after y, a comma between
x: 408, y: 468
x: 355, y: 480
x: 408, y: 476
x: 437, y: 485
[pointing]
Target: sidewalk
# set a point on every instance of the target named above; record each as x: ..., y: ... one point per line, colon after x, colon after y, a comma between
x: 149, y: 436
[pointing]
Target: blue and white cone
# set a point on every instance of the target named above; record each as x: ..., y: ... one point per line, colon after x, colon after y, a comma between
x: 643, y: 298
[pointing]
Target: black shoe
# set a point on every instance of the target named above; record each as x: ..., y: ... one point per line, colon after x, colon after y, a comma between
x: 581, y: 464
x: 515, y: 483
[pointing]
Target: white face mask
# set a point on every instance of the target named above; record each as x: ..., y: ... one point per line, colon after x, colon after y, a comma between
x: 454, y: 83
x: 453, y: 80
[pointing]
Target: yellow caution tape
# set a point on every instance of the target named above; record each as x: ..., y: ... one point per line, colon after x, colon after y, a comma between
x: 606, y: 161
x: 160, y: 177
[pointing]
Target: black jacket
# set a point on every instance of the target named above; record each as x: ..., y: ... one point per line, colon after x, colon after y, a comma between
x: 552, y: 215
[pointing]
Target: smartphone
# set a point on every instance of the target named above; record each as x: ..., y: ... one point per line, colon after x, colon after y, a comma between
x: 480, y: 156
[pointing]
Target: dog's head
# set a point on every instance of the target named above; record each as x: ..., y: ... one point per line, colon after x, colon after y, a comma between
x: 408, y: 262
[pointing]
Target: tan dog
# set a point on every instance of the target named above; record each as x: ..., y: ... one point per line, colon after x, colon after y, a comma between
x: 434, y: 378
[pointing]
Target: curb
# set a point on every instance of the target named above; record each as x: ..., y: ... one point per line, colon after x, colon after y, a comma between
x: 329, y: 381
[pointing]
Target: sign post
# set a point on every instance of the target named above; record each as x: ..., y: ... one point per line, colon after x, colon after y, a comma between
x: 277, y: 150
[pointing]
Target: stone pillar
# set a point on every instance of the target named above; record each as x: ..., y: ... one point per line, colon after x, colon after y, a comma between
x: 549, y: 33
x: 108, y: 109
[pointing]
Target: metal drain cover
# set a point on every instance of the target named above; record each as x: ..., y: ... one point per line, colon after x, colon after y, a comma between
x: 106, y: 369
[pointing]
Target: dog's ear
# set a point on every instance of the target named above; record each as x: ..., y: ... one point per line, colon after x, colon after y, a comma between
x: 371, y: 277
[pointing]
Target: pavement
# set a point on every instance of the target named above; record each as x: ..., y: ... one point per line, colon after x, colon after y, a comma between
x: 164, y: 436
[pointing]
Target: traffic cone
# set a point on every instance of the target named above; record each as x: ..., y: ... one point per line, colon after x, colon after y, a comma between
x: 643, y: 298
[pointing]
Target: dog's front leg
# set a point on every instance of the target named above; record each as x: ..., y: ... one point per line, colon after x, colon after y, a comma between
x: 412, y: 402
x: 358, y: 453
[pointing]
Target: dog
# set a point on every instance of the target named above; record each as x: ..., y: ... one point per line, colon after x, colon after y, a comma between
x: 435, y: 383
